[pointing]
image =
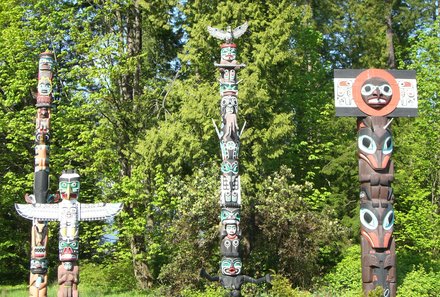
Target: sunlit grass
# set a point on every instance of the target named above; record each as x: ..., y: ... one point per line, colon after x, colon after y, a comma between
x: 22, y: 291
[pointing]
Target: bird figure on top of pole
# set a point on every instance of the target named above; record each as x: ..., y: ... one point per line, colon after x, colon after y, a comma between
x: 231, y: 277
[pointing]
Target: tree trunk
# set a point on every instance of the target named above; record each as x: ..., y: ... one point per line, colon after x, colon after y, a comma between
x: 390, y: 42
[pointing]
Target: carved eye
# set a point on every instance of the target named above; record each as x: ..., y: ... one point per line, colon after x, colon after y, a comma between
x: 368, y: 219
x: 388, y: 221
x: 368, y: 89
x: 386, y: 90
x: 388, y: 146
x: 367, y: 144
x: 237, y: 264
x: 227, y: 244
x: 235, y: 243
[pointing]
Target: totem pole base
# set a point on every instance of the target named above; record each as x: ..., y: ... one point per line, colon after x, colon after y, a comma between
x: 234, y: 283
x: 68, y: 279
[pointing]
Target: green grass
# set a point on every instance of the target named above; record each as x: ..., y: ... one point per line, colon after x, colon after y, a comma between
x: 22, y: 291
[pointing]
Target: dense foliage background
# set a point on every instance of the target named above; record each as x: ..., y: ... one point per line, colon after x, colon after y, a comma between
x: 135, y: 93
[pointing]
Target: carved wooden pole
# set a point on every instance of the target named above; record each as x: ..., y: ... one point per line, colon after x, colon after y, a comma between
x: 375, y: 97
x: 38, y: 266
x: 230, y: 196
x: 69, y: 212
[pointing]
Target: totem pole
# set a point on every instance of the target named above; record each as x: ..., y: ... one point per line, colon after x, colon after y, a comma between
x: 375, y: 97
x: 69, y: 212
x: 230, y: 195
x: 38, y: 265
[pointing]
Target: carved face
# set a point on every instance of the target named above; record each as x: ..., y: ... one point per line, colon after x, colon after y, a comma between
x: 231, y: 266
x: 68, y: 250
x: 227, y: 88
x: 69, y: 186
x: 230, y: 214
x: 229, y: 104
x: 377, y: 221
x: 38, y: 266
x: 375, y: 147
x: 44, y: 86
x: 376, y: 92
x: 231, y: 230
x: 46, y: 62
x: 228, y: 53
x: 229, y: 167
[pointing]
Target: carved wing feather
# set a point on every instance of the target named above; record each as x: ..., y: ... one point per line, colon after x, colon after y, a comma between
x: 217, y: 33
x: 237, y: 32
x: 98, y: 211
x: 38, y: 211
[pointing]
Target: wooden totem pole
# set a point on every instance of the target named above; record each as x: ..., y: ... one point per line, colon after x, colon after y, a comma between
x: 38, y: 265
x: 375, y: 97
x: 230, y: 196
x: 68, y: 212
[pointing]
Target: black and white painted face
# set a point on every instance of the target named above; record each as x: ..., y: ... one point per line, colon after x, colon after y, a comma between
x: 376, y: 92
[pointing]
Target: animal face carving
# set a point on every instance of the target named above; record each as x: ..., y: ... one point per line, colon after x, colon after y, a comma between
x: 69, y: 186
x: 375, y: 146
x: 377, y: 222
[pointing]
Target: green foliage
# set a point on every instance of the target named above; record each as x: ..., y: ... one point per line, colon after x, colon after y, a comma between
x: 108, y: 278
x: 209, y: 291
x: 132, y: 111
x: 281, y: 287
x: 420, y: 282
x: 346, y: 278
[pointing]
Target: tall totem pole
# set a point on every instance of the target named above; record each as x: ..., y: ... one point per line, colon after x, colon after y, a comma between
x: 68, y: 212
x: 375, y: 97
x: 230, y: 195
x: 38, y: 266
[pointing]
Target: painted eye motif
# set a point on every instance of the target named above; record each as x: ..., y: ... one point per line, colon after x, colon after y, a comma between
x: 237, y: 265
x: 388, y: 146
x: 227, y: 244
x: 368, y: 89
x: 386, y: 90
x: 368, y: 219
x: 388, y: 221
x: 63, y: 185
x: 367, y: 144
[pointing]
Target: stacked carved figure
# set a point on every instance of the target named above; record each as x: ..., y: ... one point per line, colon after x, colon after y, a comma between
x: 376, y: 96
x: 376, y: 172
x: 38, y: 265
x: 69, y: 212
x: 230, y: 195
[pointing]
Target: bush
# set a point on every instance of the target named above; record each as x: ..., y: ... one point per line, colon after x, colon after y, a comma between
x: 108, y: 278
x: 346, y: 278
x: 421, y: 283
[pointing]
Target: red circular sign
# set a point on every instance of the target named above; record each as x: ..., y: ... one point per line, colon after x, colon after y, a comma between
x: 364, y: 107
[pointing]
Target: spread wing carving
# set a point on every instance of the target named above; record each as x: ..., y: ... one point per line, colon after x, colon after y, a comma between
x: 38, y: 211
x: 229, y: 34
x: 98, y: 211
x: 237, y: 32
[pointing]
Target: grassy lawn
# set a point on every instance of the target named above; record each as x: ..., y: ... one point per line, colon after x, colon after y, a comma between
x: 22, y: 291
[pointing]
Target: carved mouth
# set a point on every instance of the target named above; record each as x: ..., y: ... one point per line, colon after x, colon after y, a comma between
x: 377, y: 101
